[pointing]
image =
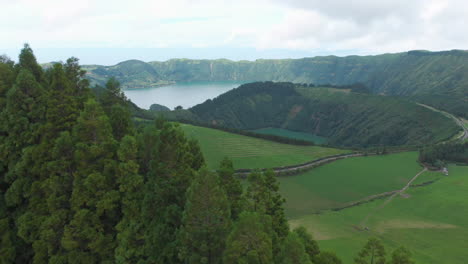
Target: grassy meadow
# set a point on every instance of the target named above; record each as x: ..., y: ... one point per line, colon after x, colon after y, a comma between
x: 431, y: 221
x: 338, y: 183
x: 248, y: 152
x: 292, y: 134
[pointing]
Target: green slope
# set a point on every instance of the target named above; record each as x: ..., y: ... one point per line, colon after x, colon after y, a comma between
x: 430, y: 221
x: 337, y: 184
x: 437, y: 78
x: 345, y: 118
x: 247, y: 152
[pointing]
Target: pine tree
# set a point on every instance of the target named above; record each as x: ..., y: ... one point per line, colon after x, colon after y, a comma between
x: 327, y: 258
x: 130, y: 229
x: 372, y: 253
x: 250, y: 240
x: 28, y: 61
x: 264, y: 197
x: 90, y: 235
x: 115, y: 105
x: 293, y: 251
x: 232, y: 186
x: 310, y: 245
x: 206, y: 220
x: 401, y: 255
x: 167, y: 180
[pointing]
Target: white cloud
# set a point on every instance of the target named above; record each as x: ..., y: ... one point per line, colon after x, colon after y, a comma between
x: 368, y: 26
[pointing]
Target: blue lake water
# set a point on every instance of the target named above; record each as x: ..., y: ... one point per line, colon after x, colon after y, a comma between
x: 183, y: 94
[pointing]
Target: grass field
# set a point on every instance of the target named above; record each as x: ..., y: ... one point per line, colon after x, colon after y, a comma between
x: 248, y: 152
x: 432, y: 221
x: 428, y: 176
x: 292, y: 134
x: 338, y: 183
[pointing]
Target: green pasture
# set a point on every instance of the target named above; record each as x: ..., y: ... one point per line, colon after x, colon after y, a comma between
x: 431, y: 221
x: 249, y: 152
x: 341, y: 182
x: 292, y: 134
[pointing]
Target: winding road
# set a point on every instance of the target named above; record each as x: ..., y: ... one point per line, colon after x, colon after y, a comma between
x: 457, y: 120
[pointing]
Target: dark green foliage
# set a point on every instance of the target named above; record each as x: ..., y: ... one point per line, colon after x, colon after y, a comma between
x: 232, y: 186
x: 434, y: 74
x: 206, y: 220
x: 168, y: 162
x: 438, y: 155
x: 159, y: 108
x: 293, y: 251
x: 401, y: 255
x: 130, y: 229
x: 346, y: 118
x: 90, y: 235
x: 372, y: 253
x: 80, y: 184
x: 263, y: 197
x: 28, y: 61
x: 249, y: 241
x: 310, y: 245
x: 326, y: 257
x: 116, y: 107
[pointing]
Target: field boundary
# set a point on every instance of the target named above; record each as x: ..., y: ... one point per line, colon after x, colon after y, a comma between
x: 292, y: 170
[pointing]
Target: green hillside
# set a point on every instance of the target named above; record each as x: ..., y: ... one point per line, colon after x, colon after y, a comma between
x: 248, y: 152
x: 337, y: 184
x: 436, y: 78
x: 291, y: 134
x: 346, y: 118
x: 430, y: 220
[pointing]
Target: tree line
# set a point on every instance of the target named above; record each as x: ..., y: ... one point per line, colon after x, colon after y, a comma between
x: 438, y: 156
x: 81, y: 183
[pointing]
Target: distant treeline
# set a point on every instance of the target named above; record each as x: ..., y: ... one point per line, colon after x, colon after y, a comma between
x: 438, y: 156
x: 355, y: 88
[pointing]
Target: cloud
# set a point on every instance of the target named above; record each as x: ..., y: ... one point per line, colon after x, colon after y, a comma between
x: 365, y: 26
x: 369, y: 26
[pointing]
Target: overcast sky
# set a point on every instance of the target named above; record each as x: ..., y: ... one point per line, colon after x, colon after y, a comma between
x: 109, y: 31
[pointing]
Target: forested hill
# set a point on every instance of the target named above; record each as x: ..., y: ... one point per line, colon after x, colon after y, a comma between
x: 347, y: 118
x: 436, y: 78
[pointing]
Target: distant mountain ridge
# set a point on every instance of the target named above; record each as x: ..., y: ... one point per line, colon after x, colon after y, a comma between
x: 439, y: 78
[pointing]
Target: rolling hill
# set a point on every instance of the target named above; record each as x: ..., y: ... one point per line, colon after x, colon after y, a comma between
x: 252, y: 153
x: 346, y: 118
x: 436, y: 78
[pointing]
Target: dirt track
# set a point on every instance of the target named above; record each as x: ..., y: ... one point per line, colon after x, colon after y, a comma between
x: 395, y: 193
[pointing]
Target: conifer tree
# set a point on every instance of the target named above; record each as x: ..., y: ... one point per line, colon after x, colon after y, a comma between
x: 130, y: 229
x: 249, y: 240
x: 326, y: 257
x: 28, y: 61
x: 115, y: 105
x: 264, y: 197
x: 310, y: 245
x: 232, y: 186
x: 169, y: 176
x: 90, y: 235
x: 293, y: 251
x: 206, y: 220
x: 401, y: 255
x: 372, y: 253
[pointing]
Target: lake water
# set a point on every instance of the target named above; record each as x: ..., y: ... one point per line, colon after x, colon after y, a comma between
x: 184, y: 94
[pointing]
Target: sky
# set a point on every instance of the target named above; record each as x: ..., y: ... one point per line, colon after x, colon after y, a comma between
x: 109, y: 31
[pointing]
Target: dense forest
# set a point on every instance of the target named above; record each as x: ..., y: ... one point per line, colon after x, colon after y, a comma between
x: 81, y: 183
x: 439, y: 79
x: 347, y: 118
x: 438, y: 156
